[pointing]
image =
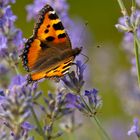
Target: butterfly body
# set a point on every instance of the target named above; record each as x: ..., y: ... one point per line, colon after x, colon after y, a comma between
x: 48, y: 53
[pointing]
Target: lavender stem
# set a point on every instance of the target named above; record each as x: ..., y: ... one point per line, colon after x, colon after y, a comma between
x: 136, y: 48
x: 123, y: 9
x: 41, y: 132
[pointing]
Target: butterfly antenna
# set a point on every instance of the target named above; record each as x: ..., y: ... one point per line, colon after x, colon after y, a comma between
x: 87, y: 58
x: 82, y: 33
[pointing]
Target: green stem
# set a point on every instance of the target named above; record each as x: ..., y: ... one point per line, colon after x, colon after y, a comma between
x: 136, y: 49
x: 85, y: 104
x: 133, y: 5
x: 41, y: 132
x: 12, y: 63
x: 101, y: 128
x: 96, y: 120
x: 123, y: 9
x: 15, y: 67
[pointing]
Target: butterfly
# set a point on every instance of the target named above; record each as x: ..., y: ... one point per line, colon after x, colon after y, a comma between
x: 48, y: 52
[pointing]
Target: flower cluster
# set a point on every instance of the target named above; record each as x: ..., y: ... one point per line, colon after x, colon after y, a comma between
x: 10, y: 37
x: 10, y: 40
x: 15, y: 106
x: 88, y: 104
x: 130, y: 25
x: 54, y: 109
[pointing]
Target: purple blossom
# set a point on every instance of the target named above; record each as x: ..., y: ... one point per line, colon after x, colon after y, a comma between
x: 56, y: 105
x: 16, y: 104
x: 17, y: 40
x: 3, y: 45
x: 126, y: 23
x: 92, y: 96
x: 3, y: 69
x: 18, y: 80
x: 27, y: 126
x: 135, y: 128
x: 60, y: 6
x: 5, y: 2
x: 130, y: 25
x: 7, y: 19
x: 75, y: 80
x: 88, y: 107
x: 10, y: 37
x: 74, y: 101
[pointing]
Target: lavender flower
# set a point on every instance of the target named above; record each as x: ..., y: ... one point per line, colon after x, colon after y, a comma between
x: 129, y: 25
x: 74, y: 80
x: 3, y: 46
x: 93, y: 100
x: 60, y: 6
x: 55, y: 105
x: 5, y: 2
x: 16, y: 103
x: 10, y: 37
x: 135, y: 128
x: 89, y: 107
x: 3, y: 70
x: 55, y: 109
x: 10, y: 41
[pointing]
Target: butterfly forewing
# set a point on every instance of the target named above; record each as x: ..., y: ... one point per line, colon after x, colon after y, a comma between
x: 50, y: 29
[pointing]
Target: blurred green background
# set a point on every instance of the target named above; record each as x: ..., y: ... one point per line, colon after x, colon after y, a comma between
x: 109, y: 64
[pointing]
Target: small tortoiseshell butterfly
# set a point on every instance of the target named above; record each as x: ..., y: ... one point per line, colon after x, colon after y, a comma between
x: 48, y: 52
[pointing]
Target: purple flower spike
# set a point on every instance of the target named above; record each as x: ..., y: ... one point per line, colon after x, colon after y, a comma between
x: 135, y: 128
x: 75, y: 79
x: 74, y: 102
x: 18, y: 38
x: 71, y: 100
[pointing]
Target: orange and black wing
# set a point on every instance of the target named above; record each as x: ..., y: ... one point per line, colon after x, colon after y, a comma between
x: 48, y: 33
x: 48, y: 52
x: 49, y: 29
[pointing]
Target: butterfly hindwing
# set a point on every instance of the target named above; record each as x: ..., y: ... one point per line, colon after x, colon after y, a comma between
x: 54, y: 71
